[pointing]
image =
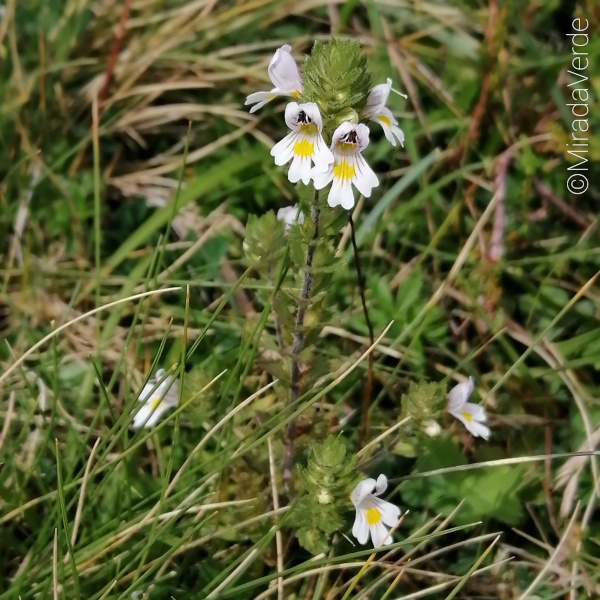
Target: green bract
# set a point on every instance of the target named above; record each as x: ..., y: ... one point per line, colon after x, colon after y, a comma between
x: 336, y: 77
x: 327, y: 480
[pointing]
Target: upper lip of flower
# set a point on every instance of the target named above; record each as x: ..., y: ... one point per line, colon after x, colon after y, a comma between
x: 459, y: 395
x: 285, y: 77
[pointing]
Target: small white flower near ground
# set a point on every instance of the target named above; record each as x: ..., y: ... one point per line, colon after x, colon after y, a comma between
x: 472, y: 416
x: 376, y: 110
x: 156, y: 402
x: 290, y: 215
x: 284, y: 75
x: 349, y: 167
x: 304, y: 144
x: 373, y: 513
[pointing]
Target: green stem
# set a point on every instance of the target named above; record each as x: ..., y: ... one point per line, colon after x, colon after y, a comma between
x: 299, y: 342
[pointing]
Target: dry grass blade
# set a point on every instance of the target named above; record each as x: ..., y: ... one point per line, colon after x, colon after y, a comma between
x: 557, y: 551
x: 68, y: 324
x: 86, y: 474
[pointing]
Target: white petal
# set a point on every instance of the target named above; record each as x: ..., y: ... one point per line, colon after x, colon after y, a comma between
x: 361, y: 491
x: 459, y: 395
x: 341, y: 131
x: 283, y: 151
x: 292, y: 110
x: 480, y: 430
x: 141, y: 416
x: 283, y: 71
x: 146, y: 391
x: 377, y: 98
x: 165, y: 386
x: 476, y: 411
x: 381, y: 485
x: 322, y: 155
x: 364, y: 178
x: 362, y: 133
x: 390, y: 513
x: 312, y: 111
x: 300, y: 170
x: 321, y: 178
x: 157, y: 414
x: 259, y: 99
x: 341, y: 194
x: 379, y: 535
x: 290, y: 215
x: 360, y: 529
x: 473, y: 427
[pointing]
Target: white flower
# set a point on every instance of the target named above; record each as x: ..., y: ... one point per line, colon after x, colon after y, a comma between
x: 349, y: 168
x: 376, y: 111
x: 285, y: 76
x: 290, y: 215
x: 373, y: 513
x: 472, y: 416
x: 304, y: 144
x: 155, y: 402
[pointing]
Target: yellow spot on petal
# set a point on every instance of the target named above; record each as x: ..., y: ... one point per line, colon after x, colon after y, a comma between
x: 467, y: 417
x: 346, y: 146
x: 155, y: 402
x: 295, y: 94
x: 373, y: 516
x: 343, y: 171
x: 303, y: 149
x: 384, y: 120
x: 310, y: 128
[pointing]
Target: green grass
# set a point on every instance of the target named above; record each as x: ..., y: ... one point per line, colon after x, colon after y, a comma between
x: 124, y: 253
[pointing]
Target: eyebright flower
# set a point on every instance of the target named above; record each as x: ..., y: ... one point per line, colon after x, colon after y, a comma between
x: 304, y: 144
x: 155, y: 402
x: 290, y: 215
x: 376, y: 110
x: 472, y: 416
x: 285, y: 76
x: 373, y: 513
x: 349, y: 168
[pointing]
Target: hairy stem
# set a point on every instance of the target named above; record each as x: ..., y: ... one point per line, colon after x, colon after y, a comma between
x: 369, y: 385
x: 298, y: 343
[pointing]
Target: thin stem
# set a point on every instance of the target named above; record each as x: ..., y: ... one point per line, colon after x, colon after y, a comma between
x: 369, y: 386
x: 299, y: 342
x: 278, y: 330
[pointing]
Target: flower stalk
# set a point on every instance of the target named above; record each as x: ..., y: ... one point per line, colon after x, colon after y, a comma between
x: 369, y: 385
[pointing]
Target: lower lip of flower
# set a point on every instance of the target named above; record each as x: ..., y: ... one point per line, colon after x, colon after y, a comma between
x: 343, y: 171
x: 303, y: 148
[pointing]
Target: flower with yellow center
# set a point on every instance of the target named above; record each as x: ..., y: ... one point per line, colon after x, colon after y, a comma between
x: 284, y: 74
x: 304, y: 144
x: 376, y: 110
x: 373, y: 513
x: 158, y: 396
x: 349, y: 167
x: 472, y: 416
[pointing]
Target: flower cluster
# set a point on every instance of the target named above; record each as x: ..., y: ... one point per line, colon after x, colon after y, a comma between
x: 342, y: 164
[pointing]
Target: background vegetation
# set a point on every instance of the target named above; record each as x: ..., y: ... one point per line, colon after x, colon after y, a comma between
x: 471, y: 246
